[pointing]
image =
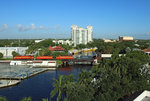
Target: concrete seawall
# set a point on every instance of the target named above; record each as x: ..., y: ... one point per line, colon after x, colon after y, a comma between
x: 5, y: 61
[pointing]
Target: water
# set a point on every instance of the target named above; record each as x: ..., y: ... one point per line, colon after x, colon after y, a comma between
x: 39, y: 86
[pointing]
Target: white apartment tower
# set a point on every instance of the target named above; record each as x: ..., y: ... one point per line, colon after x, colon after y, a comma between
x: 81, y: 35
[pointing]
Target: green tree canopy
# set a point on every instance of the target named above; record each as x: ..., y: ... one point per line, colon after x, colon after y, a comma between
x: 110, y: 81
x: 3, y: 99
x: 15, y: 54
x: 1, y: 55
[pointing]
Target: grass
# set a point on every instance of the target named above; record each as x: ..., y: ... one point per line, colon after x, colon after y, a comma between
x: 6, y: 58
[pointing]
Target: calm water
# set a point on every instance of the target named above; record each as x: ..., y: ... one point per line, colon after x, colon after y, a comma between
x: 39, y: 86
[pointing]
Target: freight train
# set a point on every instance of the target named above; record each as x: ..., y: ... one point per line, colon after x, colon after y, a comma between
x: 42, y: 57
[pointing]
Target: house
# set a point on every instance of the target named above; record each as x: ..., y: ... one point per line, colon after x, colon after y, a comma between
x: 56, y: 49
x: 146, y: 51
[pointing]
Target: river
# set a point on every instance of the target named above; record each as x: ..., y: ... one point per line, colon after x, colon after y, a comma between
x: 39, y: 86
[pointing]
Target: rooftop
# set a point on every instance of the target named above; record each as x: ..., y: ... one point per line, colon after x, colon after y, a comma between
x: 146, y: 50
x: 144, y: 96
x: 56, y: 48
x: 11, y: 47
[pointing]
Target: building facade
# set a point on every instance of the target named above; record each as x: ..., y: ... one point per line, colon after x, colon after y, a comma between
x: 146, y: 51
x: 81, y: 35
x: 126, y: 38
x: 56, y: 49
x: 7, y: 51
x: 37, y: 41
x: 63, y: 42
x: 108, y: 40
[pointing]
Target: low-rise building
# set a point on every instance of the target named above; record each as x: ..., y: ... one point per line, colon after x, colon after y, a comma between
x: 56, y: 49
x: 108, y: 40
x: 146, y: 51
x: 64, y: 42
x: 37, y: 41
x: 7, y: 51
x: 144, y: 96
x: 126, y: 38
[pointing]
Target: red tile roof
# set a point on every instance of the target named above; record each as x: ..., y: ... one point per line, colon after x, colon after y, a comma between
x: 56, y: 48
x: 146, y: 50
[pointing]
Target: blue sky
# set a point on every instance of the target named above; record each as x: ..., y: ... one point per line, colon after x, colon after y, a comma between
x: 53, y: 18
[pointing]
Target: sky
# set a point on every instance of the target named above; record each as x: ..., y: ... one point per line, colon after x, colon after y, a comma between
x: 30, y: 19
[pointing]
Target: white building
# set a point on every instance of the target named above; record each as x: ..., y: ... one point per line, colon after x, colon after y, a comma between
x: 64, y: 42
x: 126, y: 38
x: 144, y: 96
x: 81, y: 35
x: 108, y: 40
x: 7, y: 51
x: 37, y: 41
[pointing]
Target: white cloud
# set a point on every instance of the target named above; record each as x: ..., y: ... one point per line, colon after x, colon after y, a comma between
x: 43, y: 28
x: 22, y: 28
x: 33, y: 26
x: 4, y: 28
x: 56, y: 27
x: 148, y: 33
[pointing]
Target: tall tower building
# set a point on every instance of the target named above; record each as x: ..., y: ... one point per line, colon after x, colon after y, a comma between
x: 81, y: 35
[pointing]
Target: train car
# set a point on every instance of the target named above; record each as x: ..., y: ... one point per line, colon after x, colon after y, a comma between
x: 23, y: 58
x: 64, y: 57
x: 44, y: 57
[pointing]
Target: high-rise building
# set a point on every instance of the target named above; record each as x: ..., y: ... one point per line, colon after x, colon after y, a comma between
x: 81, y: 35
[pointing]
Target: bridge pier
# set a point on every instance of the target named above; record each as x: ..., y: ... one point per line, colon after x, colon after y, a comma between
x: 65, y: 63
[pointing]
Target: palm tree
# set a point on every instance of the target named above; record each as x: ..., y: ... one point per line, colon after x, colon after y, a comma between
x: 26, y: 99
x: 85, y: 77
x: 58, y: 87
x: 3, y: 99
x: 45, y: 99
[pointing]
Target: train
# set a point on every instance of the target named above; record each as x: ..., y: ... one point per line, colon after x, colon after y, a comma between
x: 42, y: 57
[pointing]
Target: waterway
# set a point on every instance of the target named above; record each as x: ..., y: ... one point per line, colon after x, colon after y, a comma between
x: 39, y: 86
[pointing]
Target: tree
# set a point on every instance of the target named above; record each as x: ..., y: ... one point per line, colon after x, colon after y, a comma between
x: 1, y: 55
x: 58, y: 84
x: 41, y: 45
x: 15, y: 54
x: 55, y: 54
x: 121, y: 76
x: 110, y: 81
x: 82, y: 90
x: 80, y: 46
x: 45, y: 99
x: 3, y: 99
x: 79, y: 92
x: 26, y: 99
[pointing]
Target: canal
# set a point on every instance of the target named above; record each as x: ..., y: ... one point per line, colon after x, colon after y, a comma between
x: 39, y: 86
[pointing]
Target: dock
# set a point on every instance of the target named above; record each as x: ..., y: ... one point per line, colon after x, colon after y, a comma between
x: 8, y: 83
x: 11, y: 75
